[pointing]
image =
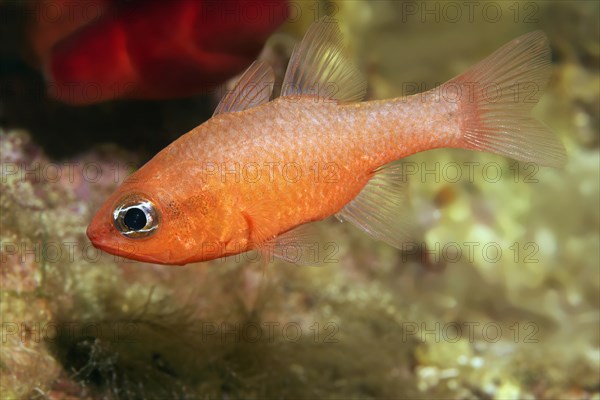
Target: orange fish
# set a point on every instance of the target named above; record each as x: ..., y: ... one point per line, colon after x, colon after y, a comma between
x: 258, y: 169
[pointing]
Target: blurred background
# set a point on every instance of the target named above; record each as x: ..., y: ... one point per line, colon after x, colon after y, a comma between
x: 497, y: 297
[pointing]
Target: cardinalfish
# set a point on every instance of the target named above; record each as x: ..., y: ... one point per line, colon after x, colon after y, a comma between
x: 228, y: 185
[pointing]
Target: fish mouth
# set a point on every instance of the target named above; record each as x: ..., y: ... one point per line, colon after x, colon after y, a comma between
x: 98, y: 239
x: 128, y: 251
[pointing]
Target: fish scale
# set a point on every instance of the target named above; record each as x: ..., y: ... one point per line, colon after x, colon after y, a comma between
x: 259, y: 171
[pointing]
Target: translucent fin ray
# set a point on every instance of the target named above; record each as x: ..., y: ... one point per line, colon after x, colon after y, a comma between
x: 297, y: 246
x: 253, y: 89
x: 320, y: 67
x: 382, y: 209
x: 499, y: 94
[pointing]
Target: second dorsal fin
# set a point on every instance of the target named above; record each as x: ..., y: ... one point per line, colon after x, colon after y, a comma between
x: 253, y: 89
x: 320, y: 67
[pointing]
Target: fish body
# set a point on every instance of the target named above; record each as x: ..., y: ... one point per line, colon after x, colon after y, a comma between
x: 258, y: 168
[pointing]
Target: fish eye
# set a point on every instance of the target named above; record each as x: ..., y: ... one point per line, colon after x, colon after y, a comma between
x: 136, y: 217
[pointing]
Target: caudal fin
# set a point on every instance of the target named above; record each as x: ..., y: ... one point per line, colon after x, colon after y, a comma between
x: 497, y: 97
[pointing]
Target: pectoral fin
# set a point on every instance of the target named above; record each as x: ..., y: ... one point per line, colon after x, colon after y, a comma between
x: 297, y: 246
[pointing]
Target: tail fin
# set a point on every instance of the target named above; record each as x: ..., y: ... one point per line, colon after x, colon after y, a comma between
x: 502, y: 90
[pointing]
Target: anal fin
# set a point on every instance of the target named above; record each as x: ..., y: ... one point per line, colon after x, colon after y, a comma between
x: 382, y: 209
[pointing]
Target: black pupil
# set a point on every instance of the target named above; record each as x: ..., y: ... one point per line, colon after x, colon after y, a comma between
x: 135, y: 219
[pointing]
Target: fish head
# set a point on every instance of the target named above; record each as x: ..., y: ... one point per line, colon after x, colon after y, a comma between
x: 155, y: 217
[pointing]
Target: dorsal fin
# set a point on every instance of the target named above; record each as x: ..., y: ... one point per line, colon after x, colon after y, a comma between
x: 253, y: 89
x: 320, y: 67
x: 381, y: 209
